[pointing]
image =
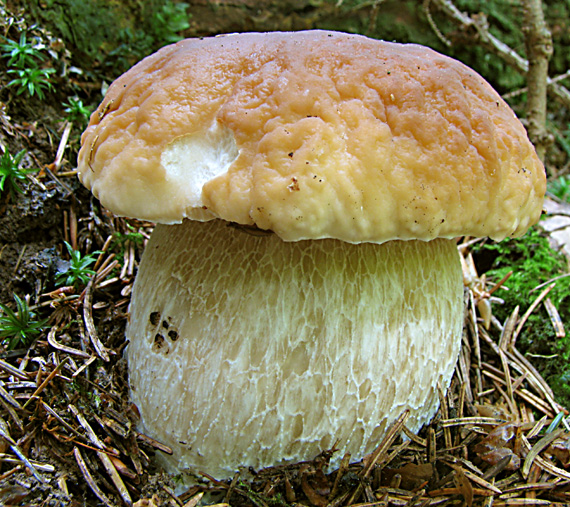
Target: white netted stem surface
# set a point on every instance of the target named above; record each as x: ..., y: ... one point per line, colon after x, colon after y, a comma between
x: 249, y: 351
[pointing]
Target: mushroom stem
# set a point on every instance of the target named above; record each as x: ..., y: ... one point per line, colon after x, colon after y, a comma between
x: 250, y: 351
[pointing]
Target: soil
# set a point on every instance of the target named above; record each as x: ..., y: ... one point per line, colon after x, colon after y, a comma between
x: 30, y: 230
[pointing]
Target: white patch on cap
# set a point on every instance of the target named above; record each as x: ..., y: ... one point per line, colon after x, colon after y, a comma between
x: 191, y: 161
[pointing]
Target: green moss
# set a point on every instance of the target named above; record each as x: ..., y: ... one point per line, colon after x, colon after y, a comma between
x: 533, y: 263
x: 110, y: 34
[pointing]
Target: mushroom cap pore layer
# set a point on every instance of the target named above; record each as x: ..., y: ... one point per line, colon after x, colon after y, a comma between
x: 312, y: 135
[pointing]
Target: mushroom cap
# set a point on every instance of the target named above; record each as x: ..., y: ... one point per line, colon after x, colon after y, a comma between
x: 312, y: 135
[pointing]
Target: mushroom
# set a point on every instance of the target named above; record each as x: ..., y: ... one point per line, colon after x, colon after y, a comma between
x: 302, y: 287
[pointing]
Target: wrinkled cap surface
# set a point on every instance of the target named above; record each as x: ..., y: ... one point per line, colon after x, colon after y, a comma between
x: 313, y: 135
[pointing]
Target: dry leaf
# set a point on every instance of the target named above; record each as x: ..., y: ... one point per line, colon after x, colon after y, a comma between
x: 314, y: 497
x: 145, y: 502
x: 561, y: 449
x: 497, y: 445
x: 412, y: 476
x: 12, y: 495
x: 494, y: 411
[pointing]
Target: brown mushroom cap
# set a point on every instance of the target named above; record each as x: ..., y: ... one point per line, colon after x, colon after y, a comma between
x: 313, y: 135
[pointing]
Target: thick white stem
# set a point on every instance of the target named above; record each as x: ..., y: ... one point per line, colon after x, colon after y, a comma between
x: 251, y: 351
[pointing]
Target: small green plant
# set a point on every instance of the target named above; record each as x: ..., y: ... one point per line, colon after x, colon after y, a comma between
x: 11, y: 173
x: 19, y: 327
x: 32, y: 80
x: 76, y: 112
x: 121, y: 238
x: 24, y: 60
x: 560, y: 187
x: 79, y: 387
x: 168, y: 21
x: 78, y: 272
x: 21, y: 54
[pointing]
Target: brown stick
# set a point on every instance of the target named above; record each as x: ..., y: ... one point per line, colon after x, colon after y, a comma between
x: 490, y: 42
x: 538, y: 42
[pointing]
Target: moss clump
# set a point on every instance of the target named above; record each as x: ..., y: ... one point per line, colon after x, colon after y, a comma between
x: 111, y: 35
x: 533, y: 262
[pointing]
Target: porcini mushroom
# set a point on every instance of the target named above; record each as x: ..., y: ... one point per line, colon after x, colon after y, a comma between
x: 302, y: 286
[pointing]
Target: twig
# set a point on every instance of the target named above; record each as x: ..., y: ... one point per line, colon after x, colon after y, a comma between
x: 340, y: 474
x: 154, y: 443
x: 8, y: 368
x: 555, y: 318
x: 89, y: 478
x: 102, y: 252
x: 101, y: 350
x: 531, y: 308
x: 195, y: 500
x: 538, y: 42
x: 433, y: 26
x: 6, y: 435
x: 8, y: 397
x: 566, y: 275
x: 73, y: 227
x: 13, y: 414
x: 85, y: 365
x: 393, y: 431
x: 62, y: 421
x: 107, y: 463
x: 464, y: 421
x: 62, y: 145
x: 477, y: 479
x: 18, y: 262
x: 498, y: 47
x: 48, y: 379
x: 445, y: 415
x: 64, y: 348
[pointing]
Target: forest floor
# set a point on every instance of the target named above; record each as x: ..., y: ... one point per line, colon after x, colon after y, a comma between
x: 68, y: 432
